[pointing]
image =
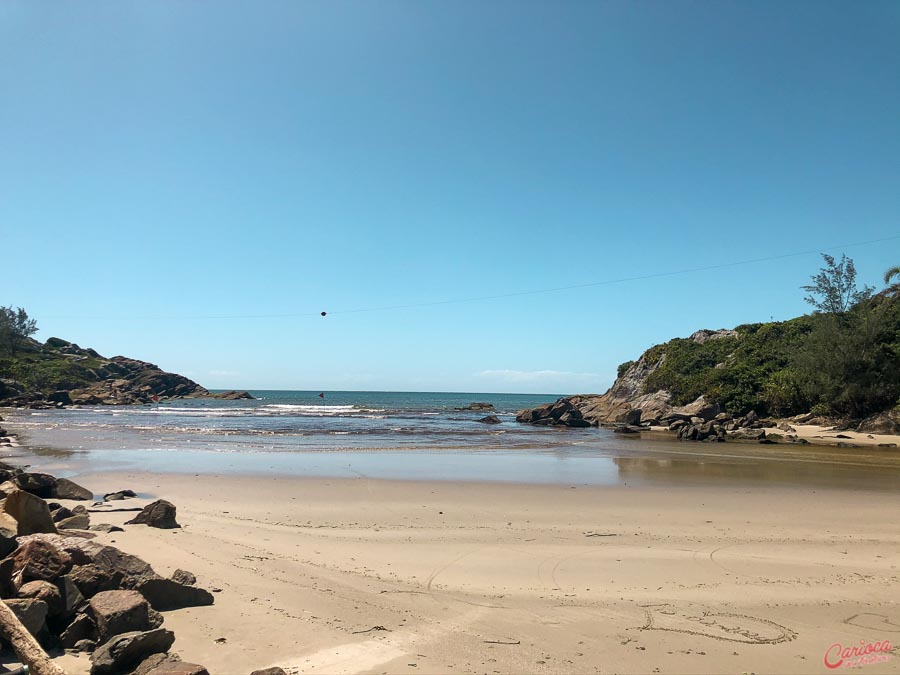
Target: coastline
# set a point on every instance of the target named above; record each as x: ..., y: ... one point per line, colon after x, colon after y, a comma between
x: 578, y: 579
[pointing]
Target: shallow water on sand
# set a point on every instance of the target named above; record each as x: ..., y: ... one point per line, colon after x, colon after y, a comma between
x: 412, y: 437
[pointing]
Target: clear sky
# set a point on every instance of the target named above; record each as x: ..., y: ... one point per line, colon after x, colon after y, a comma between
x: 165, y: 162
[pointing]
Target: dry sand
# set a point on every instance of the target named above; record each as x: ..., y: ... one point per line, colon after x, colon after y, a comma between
x: 347, y: 576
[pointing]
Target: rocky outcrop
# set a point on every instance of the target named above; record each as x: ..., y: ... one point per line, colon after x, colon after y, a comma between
x: 564, y: 412
x: 233, y: 395
x: 629, y: 394
x: 84, y: 377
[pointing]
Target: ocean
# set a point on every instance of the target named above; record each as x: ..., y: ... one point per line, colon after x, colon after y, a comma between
x: 404, y: 435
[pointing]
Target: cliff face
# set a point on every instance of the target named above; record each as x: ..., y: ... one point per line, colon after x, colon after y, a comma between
x: 633, y: 390
x: 60, y: 372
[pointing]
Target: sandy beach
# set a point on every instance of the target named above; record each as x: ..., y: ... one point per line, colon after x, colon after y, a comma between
x: 374, y: 576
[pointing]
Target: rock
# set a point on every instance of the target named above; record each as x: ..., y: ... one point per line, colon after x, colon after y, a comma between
x: 627, y: 430
x: 478, y: 406
x: 39, y: 560
x: 30, y: 513
x: 81, y: 628
x: 159, y: 514
x: 121, y: 494
x: 66, y: 489
x: 85, y: 645
x: 630, y: 417
x: 123, y: 651
x: 71, y: 597
x: 166, y: 594
x: 775, y: 438
x: 43, y: 590
x: 573, y: 419
x: 676, y: 425
x: 269, y: 671
x: 8, y: 533
x: 105, y: 527
x: 153, y: 661
x: 883, y: 423
x: 490, y: 419
x: 31, y: 612
x: 60, y: 513
x: 38, y: 484
x: 784, y: 426
x: 178, y: 668
x: 748, y: 434
x: 116, y: 612
x: 60, y: 396
x: 233, y: 396
x: 130, y: 569
x: 750, y: 418
x: 93, y: 579
x: 562, y: 413
x: 184, y: 577
x: 82, y: 521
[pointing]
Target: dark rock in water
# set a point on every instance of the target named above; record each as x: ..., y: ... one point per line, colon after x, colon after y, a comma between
x: 559, y: 413
x: 166, y: 594
x: 159, y: 514
x: 490, y: 419
x: 67, y: 489
x: 32, y: 613
x: 60, y: 396
x: 630, y: 417
x: 233, y: 395
x: 478, y: 406
x: 178, y: 668
x: 45, y: 591
x: 30, y: 513
x: 121, y: 494
x: 117, y: 612
x: 269, y: 671
x: 627, y: 430
x: 81, y: 628
x: 39, y: 560
x: 129, y: 649
x: 184, y: 578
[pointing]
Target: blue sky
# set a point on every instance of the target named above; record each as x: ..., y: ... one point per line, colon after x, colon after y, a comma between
x: 162, y: 163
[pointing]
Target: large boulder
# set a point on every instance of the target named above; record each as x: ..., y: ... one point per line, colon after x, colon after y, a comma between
x: 46, y: 591
x: 490, y: 419
x: 81, y: 628
x: 559, y: 413
x: 31, y: 612
x: 38, y: 484
x: 92, y: 579
x: 166, y: 594
x: 121, y: 652
x: 30, y: 513
x: 66, y: 489
x: 80, y: 521
x: 159, y: 514
x: 39, y: 560
x: 630, y: 417
x: 116, y: 612
x: 883, y: 423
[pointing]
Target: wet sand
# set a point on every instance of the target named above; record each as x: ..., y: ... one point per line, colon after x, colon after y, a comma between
x: 336, y: 575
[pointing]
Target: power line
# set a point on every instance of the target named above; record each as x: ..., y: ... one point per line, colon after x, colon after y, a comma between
x: 500, y: 296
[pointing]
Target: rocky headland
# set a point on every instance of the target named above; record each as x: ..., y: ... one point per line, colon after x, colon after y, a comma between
x: 57, y: 373
x: 685, y: 386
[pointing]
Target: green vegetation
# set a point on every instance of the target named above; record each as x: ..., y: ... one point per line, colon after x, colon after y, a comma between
x: 843, y: 360
x: 623, y: 367
x: 15, y: 329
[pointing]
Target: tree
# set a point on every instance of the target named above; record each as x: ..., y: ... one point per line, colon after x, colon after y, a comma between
x: 892, y: 288
x: 849, y: 365
x: 834, y: 290
x: 15, y: 328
